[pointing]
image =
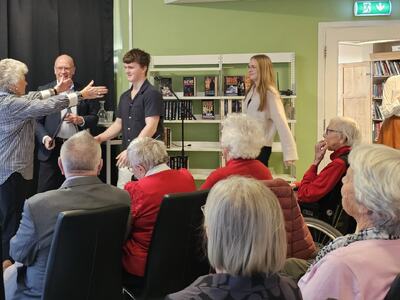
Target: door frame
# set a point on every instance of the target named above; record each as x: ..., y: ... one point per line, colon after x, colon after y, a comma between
x: 323, y: 37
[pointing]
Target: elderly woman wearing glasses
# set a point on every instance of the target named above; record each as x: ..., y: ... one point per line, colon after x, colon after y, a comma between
x: 246, y: 246
x: 148, y: 160
x: 242, y: 138
x: 324, y: 187
x: 364, y: 264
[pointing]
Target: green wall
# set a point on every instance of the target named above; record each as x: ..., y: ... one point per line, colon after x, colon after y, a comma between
x: 247, y: 26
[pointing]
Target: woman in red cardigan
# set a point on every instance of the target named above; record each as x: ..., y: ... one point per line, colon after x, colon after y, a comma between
x: 148, y: 158
x: 242, y: 138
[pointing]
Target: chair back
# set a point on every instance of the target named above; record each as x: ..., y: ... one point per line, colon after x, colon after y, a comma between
x: 394, y: 291
x: 299, y: 240
x: 85, y: 255
x: 177, y: 254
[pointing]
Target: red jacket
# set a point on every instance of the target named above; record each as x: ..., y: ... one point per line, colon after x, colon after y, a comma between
x: 245, y: 167
x: 146, y: 197
x: 315, y: 186
x: 300, y: 243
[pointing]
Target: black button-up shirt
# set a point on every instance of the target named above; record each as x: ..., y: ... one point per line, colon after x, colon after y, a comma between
x: 148, y: 102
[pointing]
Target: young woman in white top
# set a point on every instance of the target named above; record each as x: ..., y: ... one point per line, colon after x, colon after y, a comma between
x: 263, y: 103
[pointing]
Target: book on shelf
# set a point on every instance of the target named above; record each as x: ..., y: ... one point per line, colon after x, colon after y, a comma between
x: 236, y: 106
x: 241, y: 86
x: 234, y: 86
x: 377, y: 89
x: 210, y: 85
x: 167, y: 137
x: 247, y: 83
x: 174, y: 108
x: 165, y: 86
x: 207, y: 109
x: 386, y: 67
x: 376, y: 112
x: 376, y: 130
x: 178, y: 162
x: 189, y: 86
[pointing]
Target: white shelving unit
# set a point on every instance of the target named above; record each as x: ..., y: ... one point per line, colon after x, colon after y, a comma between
x: 199, y: 65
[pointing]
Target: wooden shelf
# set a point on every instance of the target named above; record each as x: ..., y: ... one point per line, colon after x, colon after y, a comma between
x: 209, y: 146
x: 185, y: 70
x: 196, y: 146
x: 199, y: 120
x: 385, y: 56
x: 180, y: 95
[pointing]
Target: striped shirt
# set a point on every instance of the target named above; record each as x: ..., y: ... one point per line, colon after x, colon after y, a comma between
x: 17, y: 128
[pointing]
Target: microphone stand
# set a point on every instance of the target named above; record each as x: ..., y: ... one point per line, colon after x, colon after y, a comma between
x: 183, y: 110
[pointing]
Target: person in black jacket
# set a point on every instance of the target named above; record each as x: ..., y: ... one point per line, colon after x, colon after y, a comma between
x: 52, y: 130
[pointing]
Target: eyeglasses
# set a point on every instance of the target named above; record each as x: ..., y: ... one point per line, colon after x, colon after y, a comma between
x: 330, y: 130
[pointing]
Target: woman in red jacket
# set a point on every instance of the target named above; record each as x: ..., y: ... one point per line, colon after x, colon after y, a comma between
x: 242, y: 138
x: 148, y: 158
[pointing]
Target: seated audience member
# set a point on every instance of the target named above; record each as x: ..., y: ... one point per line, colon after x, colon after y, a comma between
x: 324, y: 187
x: 242, y: 138
x: 80, y: 161
x: 364, y: 264
x: 147, y: 158
x: 246, y: 245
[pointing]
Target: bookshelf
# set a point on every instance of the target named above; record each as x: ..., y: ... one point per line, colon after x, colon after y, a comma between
x: 383, y: 65
x: 202, y: 136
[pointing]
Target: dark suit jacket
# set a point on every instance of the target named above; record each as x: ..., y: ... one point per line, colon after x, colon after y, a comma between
x: 47, y: 125
x: 31, y: 244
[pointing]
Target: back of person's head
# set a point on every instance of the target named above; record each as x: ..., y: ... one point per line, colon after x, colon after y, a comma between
x: 376, y: 180
x: 147, y: 152
x: 11, y: 71
x: 245, y: 227
x: 138, y: 56
x: 80, y: 154
x: 242, y: 136
x: 348, y: 128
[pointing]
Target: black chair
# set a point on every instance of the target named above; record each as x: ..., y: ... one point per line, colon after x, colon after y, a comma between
x: 177, y: 254
x: 2, y: 296
x: 85, y: 255
x: 394, y: 291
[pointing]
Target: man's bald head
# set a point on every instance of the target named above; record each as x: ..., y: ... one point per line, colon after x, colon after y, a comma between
x: 64, y: 67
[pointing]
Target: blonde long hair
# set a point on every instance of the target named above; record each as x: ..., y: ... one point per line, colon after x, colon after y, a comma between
x: 265, y: 81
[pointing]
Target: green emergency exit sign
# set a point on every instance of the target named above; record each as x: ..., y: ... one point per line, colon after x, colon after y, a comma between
x: 372, y: 8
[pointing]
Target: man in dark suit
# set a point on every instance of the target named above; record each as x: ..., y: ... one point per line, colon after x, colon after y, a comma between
x: 80, y: 161
x: 61, y: 126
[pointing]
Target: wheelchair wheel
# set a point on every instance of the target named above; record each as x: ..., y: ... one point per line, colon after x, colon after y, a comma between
x: 321, y: 232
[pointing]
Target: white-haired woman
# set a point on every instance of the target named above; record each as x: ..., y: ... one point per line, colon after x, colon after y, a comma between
x: 148, y: 160
x: 364, y: 264
x: 324, y: 187
x: 264, y: 103
x: 246, y: 245
x: 242, y: 138
x: 17, y: 120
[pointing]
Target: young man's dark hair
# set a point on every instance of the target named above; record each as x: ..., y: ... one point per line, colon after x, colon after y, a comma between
x: 138, y: 56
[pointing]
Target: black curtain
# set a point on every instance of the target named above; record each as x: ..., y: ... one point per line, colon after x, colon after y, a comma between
x: 37, y: 31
